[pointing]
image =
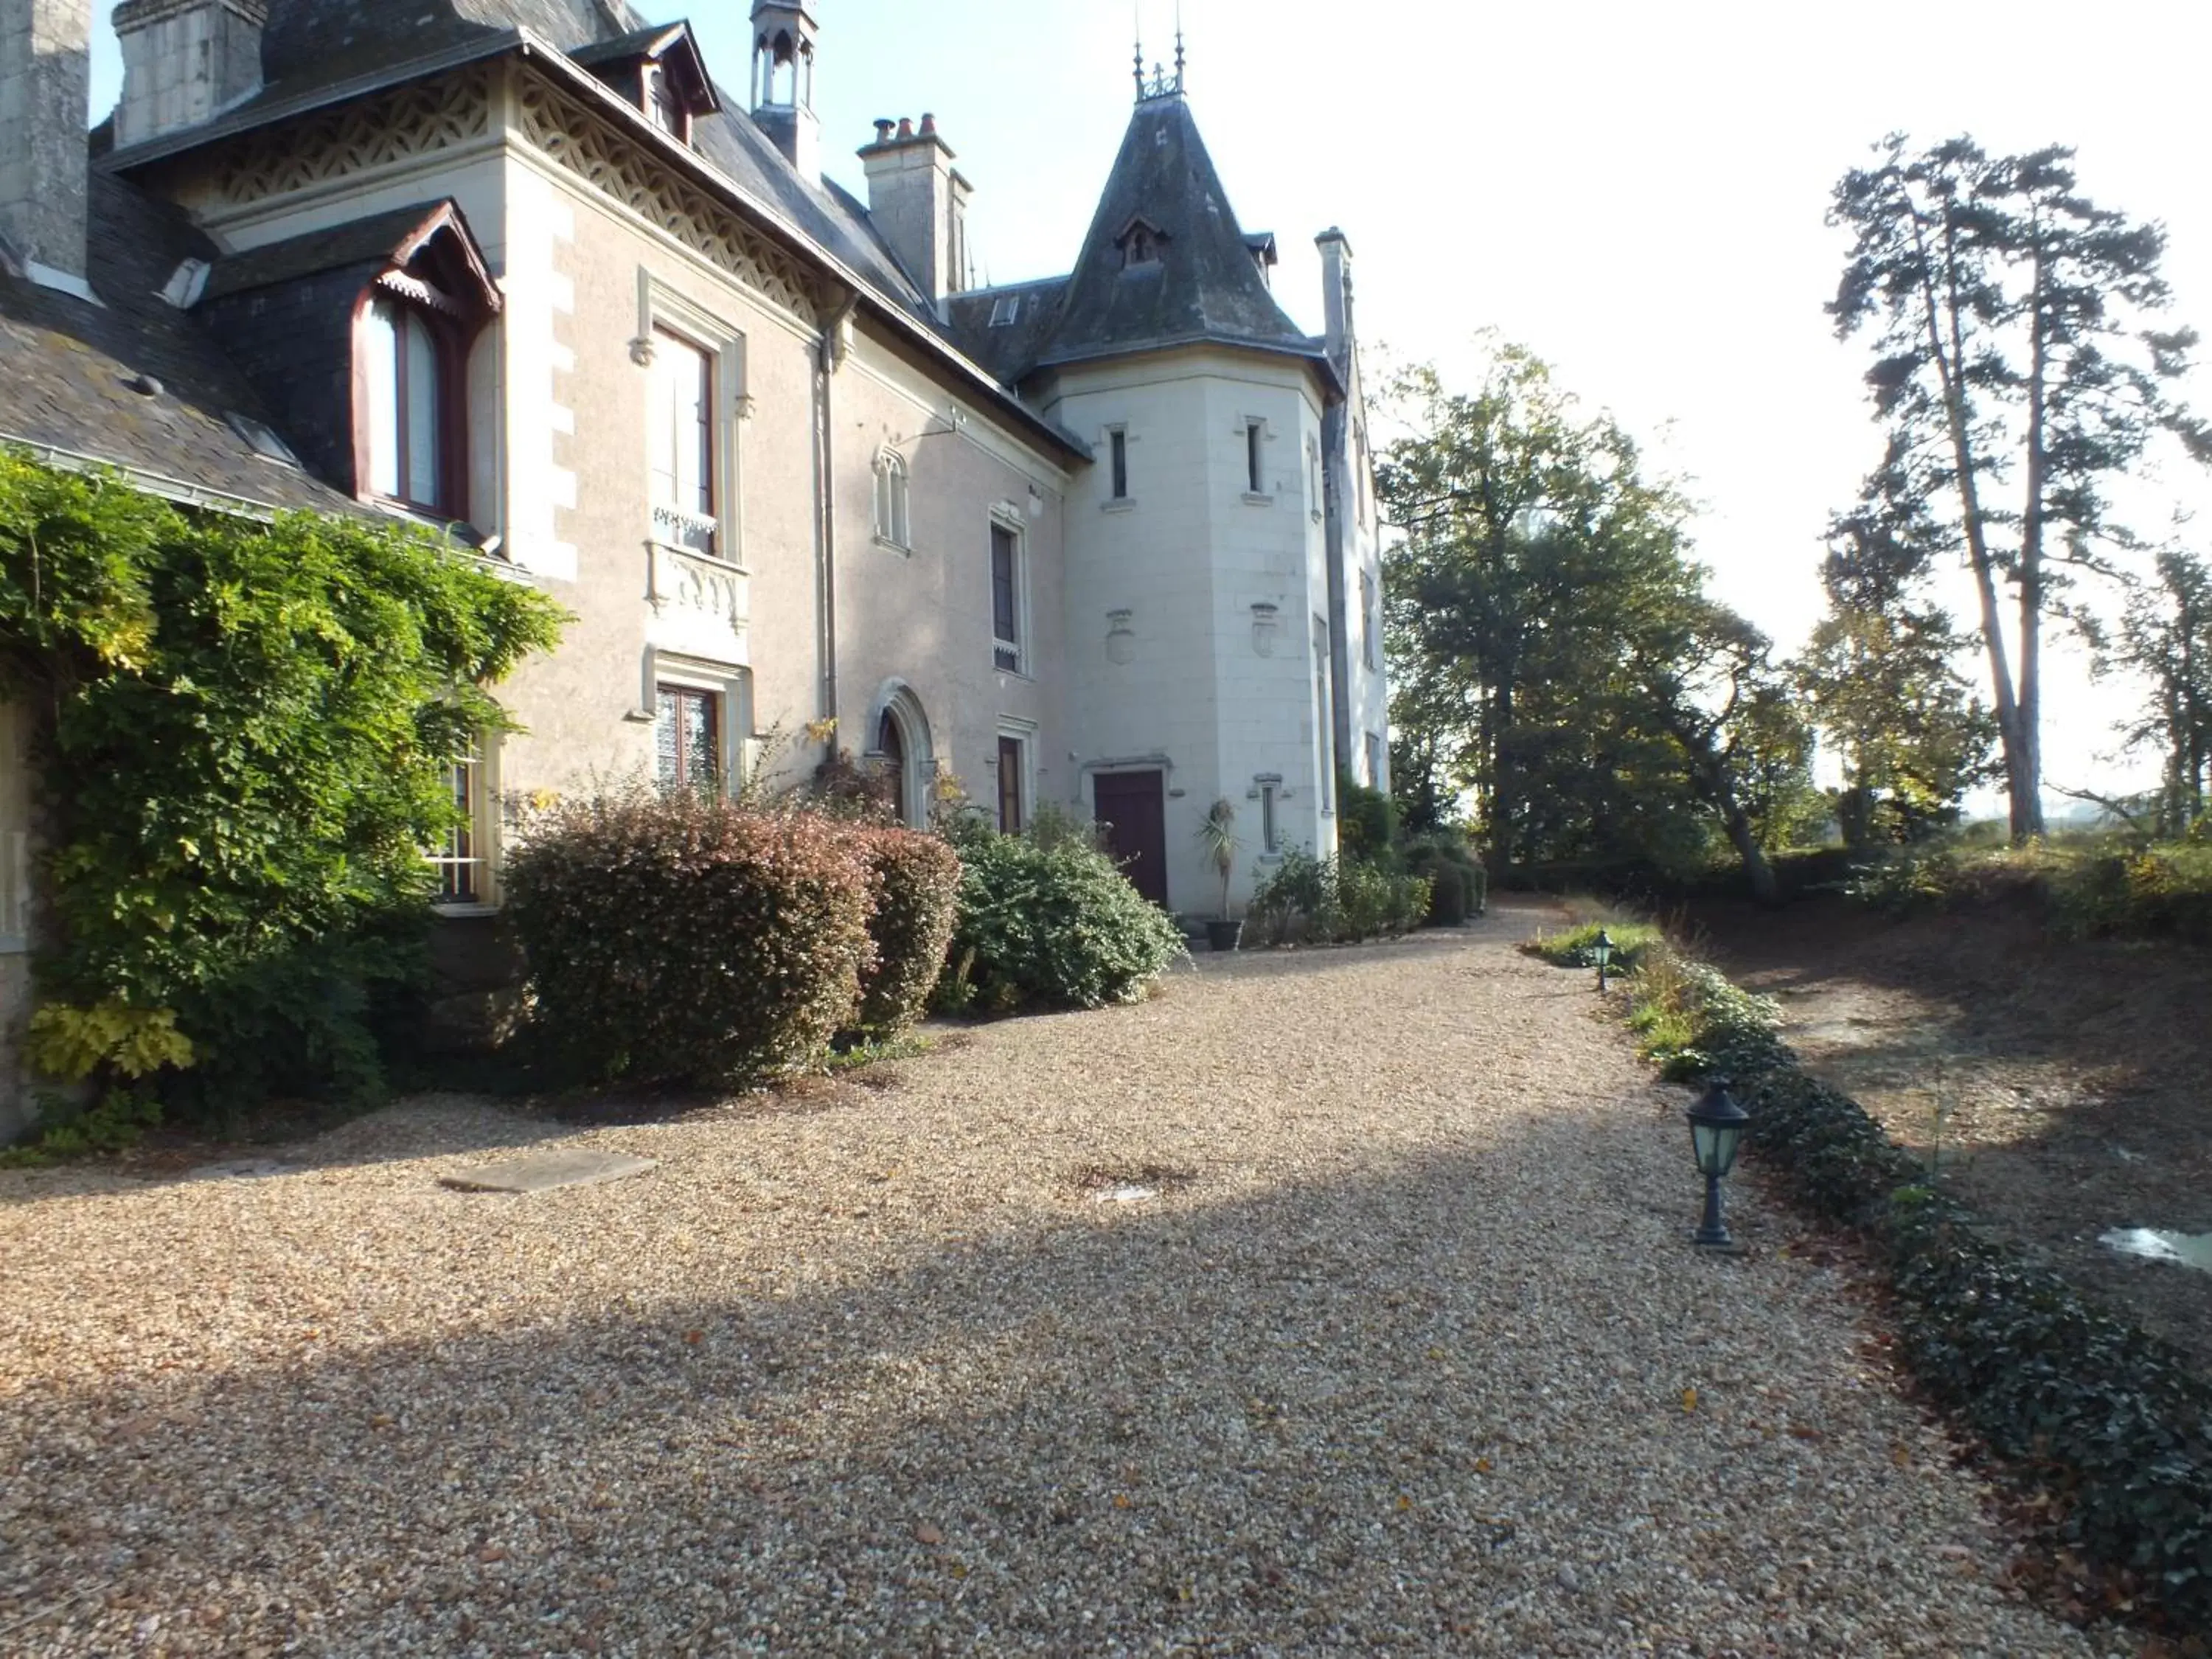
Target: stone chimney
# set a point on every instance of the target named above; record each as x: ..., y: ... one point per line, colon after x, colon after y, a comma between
x: 185, y: 62
x: 46, y: 86
x: 784, y: 33
x: 920, y: 206
x: 1336, y: 294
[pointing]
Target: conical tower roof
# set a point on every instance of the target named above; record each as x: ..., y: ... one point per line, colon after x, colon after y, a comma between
x: 1201, y: 283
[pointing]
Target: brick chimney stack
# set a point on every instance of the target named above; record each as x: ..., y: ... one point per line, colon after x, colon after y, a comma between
x: 45, y: 88
x: 185, y: 62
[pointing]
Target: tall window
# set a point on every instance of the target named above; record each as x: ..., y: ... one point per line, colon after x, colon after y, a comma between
x: 1324, y: 716
x: 1256, y: 434
x: 1006, y: 598
x: 1374, y: 761
x: 1117, y: 443
x: 406, y: 406
x: 1271, y: 834
x: 892, y: 500
x: 680, y: 417
x: 1012, y: 760
x: 459, y: 859
x: 687, y: 734
x: 1371, y: 622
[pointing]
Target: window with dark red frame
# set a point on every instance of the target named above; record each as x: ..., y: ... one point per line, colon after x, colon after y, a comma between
x: 1010, y: 785
x: 407, y: 363
x: 687, y: 738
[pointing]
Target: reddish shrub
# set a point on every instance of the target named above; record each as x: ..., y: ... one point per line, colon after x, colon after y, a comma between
x: 679, y: 939
x: 915, y: 890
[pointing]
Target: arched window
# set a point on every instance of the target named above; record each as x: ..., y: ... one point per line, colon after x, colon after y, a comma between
x: 406, y: 369
x: 893, y: 520
x: 902, y: 752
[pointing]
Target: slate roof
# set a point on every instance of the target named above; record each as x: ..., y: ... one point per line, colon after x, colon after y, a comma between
x: 1206, y: 287
x: 315, y: 42
x: 69, y: 365
x: 363, y: 240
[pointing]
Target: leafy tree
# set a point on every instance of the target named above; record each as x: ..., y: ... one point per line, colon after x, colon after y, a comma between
x: 1560, y: 661
x: 1880, y: 680
x: 2167, y: 636
x: 2008, y: 315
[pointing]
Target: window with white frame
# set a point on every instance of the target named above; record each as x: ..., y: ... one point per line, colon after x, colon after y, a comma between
x: 1009, y: 598
x: 683, y: 433
x: 1117, y: 451
x: 1271, y: 829
x: 1256, y: 462
x: 894, y: 524
x: 1374, y: 761
x: 463, y: 857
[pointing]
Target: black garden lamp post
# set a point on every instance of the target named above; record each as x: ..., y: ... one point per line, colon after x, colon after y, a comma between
x: 1717, y: 1127
x: 1602, y: 949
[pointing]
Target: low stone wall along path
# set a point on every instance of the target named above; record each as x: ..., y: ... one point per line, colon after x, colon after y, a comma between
x: 1332, y: 1301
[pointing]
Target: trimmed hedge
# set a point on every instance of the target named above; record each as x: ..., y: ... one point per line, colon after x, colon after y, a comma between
x: 914, y: 905
x: 2116, y: 1421
x: 681, y: 940
x: 1050, y: 924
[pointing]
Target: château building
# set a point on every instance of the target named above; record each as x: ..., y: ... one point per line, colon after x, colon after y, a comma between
x: 528, y: 270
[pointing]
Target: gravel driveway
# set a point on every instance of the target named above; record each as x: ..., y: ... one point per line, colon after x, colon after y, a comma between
x: 1400, y: 1358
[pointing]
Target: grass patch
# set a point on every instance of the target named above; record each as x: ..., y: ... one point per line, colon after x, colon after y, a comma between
x: 2100, y: 885
x: 1576, y: 944
x: 863, y: 1053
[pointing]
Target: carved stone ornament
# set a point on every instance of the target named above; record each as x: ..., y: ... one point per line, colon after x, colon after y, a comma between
x: 1264, y: 630
x: 1121, y: 638
x: 640, y: 351
x: 354, y: 138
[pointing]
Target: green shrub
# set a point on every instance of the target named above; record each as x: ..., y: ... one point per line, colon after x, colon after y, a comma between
x: 1449, y: 902
x: 1309, y: 900
x: 2117, y: 1423
x: 243, y: 737
x: 1295, y: 903
x: 1050, y: 926
x: 1461, y: 886
x: 679, y: 939
x: 914, y: 902
x: 1367, y: 822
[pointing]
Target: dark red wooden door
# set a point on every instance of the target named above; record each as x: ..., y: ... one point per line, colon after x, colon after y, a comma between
x: 1133, y: 808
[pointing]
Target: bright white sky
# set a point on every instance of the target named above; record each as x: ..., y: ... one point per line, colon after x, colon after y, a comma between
x: 1634, y: 189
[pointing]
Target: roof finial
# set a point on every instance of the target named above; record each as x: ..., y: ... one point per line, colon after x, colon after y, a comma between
x: 1137, y: 22
x: 1179, y: 53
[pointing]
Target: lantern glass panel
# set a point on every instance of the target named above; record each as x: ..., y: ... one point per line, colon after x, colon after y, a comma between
x: 1715, y: 1145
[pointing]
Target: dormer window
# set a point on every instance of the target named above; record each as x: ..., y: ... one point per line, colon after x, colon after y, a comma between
x: 409, y: 376
x: 665, y: 104
x: 412, y: 336
x: 1141, y: 244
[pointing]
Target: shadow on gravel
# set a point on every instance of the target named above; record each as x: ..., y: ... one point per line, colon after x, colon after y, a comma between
x: 1380, y: 1412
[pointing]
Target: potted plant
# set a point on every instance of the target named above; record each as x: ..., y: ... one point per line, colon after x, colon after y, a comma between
x: 1217, y: 832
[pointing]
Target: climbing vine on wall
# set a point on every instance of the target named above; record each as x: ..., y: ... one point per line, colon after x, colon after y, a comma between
x: 243, y: 733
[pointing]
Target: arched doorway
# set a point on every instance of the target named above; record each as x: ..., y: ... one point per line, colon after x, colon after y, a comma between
x: 891, y: 743
x: 899, y: 744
